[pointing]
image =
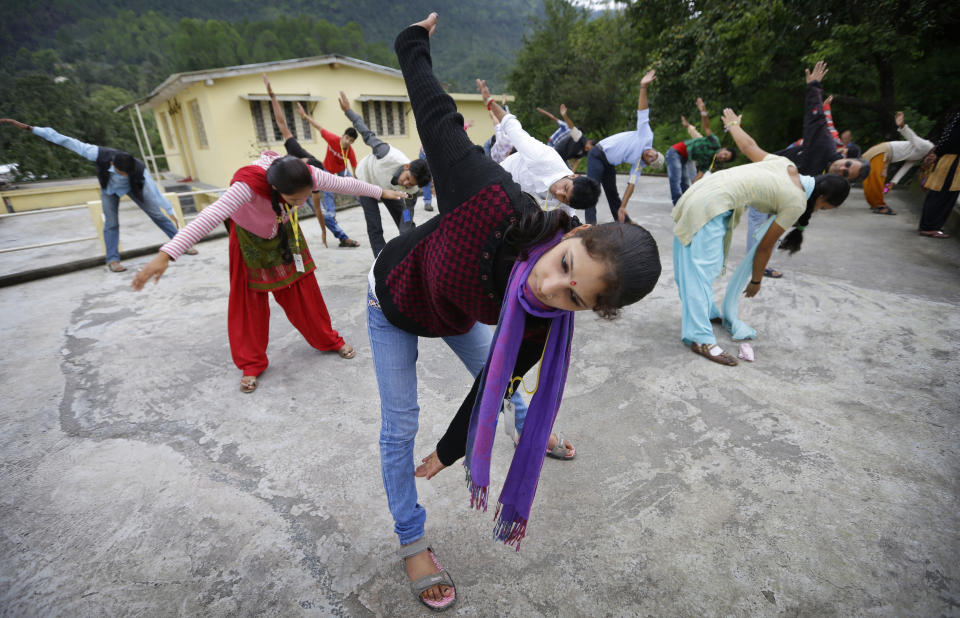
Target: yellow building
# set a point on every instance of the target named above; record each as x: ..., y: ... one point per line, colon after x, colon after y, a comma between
x: 214, y: 121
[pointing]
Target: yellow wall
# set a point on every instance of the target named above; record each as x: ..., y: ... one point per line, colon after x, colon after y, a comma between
x: 229, y: 124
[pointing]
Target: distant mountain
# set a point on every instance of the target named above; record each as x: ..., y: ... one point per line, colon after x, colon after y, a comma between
x: 477, y: 38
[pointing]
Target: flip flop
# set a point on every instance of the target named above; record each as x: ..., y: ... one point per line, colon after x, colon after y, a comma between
x: 248, y: 384
x: 773, y: 274
x: 346, y: 351
x: 116, y: 267
x: 882, y: 210
x: 560, y: 450
x: 937, y: 234
x: 349, y: 242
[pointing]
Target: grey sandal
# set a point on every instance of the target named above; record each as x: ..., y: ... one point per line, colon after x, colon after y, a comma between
x: 560, y: 450
x: 429, y: 581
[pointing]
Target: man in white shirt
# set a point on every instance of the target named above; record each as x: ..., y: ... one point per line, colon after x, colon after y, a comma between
x: 538, y: 168
x: 633, y: 147
x: 388, y: 168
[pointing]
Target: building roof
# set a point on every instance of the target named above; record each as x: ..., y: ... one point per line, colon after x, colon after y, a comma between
x: 178, y: 82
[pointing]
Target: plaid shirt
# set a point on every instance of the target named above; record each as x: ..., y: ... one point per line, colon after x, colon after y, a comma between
x: 702, y: 149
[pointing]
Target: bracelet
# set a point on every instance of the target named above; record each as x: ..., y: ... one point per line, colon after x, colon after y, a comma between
x: 800, y: 227
x: 754, y: 282
x: 731, y: 124
x: 703, y: 113
x: 488, y: 102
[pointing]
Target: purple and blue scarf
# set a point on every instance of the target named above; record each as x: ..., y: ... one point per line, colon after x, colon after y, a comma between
x: 516, y: 498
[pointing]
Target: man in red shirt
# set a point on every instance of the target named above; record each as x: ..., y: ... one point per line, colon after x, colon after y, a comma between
x: 339, y: 151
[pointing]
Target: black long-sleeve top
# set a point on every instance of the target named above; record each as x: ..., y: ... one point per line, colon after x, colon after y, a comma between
x: 818, y: 149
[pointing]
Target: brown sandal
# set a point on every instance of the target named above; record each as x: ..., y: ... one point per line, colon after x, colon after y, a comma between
x: 347, y: 351
x: 248, y: 384
x: 703, y: 349
x: 116, y: 267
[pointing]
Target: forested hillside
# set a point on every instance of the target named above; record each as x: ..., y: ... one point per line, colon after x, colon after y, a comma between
x: 70, y: 62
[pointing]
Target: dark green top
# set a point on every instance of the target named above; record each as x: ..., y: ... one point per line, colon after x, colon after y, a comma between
x: 702, y: 149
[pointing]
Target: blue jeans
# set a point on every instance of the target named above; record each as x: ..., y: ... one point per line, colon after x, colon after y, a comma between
x: 427, y: 192
x: 600, y: 170
x: 111, y: 221
x: 677, y: 171
x: 329, y: 212
x: 395, y: 363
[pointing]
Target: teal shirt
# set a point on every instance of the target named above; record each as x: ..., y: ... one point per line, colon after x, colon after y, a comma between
x: 702, y: 149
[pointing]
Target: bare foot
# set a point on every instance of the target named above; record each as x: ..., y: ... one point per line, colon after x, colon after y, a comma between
x: 430, y: 466
x: 422, y: 565
x: 553, y: 443
x: 429, y: 24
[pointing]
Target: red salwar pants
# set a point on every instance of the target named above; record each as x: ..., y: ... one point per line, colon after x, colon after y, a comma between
x: 248, y: 315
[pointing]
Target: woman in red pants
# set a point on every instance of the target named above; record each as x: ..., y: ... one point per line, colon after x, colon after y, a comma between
x: 267, y: 254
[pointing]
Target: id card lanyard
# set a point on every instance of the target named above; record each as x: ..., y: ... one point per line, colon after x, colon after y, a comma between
x: 294, y: 216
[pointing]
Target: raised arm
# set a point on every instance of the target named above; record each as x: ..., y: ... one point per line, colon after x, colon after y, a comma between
x: 303, y: 114
x: 747, y: 145
x: 87, y: 151
x: 647, y: 79
x: 691, y: 130
x: 495, y: 110
x: 566, y: 119
x: 546, y: 113
x: 704, y: 117
x: 277, y: 111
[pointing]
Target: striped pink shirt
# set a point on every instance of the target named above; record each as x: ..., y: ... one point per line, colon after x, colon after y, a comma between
x: 255, y: 213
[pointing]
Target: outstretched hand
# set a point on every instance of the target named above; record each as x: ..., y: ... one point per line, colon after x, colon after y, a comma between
x: 483, y: 90
x: 266, y: 82
x: 16, y: 123
x: 730, y: 117
x: 684, y: 121
x: 153, y: 270
x: 701, y: 105
x: 429, y: 24
x: 563, y: 109
x: 818, y: 73
x: 648, y: 78
x: 390, y: 194
x: 899, y: 119
x: 828, y: 101
x: 344, y: 102
x: 430, y: 467
x: 301, y: 111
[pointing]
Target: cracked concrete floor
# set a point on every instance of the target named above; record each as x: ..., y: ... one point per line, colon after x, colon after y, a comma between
x: 820, y: 480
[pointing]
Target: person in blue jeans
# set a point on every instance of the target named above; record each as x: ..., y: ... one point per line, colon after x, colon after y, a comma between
x: 427, y: 193
x: 119, y: 174
x: 492, y: 255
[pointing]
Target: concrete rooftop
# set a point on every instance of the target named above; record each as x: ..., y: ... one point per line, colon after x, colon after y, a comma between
x: 823, y: 479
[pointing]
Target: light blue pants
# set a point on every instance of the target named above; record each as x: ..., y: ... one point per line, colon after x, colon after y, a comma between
x: 695, y: 267
x: 395, y: 363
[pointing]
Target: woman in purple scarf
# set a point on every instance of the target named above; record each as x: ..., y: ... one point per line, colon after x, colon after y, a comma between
x: 491, y: 256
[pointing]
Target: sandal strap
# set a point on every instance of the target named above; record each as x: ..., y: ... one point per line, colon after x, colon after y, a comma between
x: 417, y: 547
x: 429, y: 581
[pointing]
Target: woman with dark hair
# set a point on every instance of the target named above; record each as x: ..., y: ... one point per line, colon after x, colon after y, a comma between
x: 705, y: 217
x: 268, y: 253
x: 490, y: 256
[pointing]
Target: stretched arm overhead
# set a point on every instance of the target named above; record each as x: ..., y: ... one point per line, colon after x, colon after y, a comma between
x: 566, y: 119
x: 547, y: 114
x: 691, y: 130
x: 303, y: 114
x: 647, y: 79
x: 87, y: 151
x: 495, y: 110
x: 379, y: 147
x: 746, y: 144
x: 704, y: 117
x: 277, y: 111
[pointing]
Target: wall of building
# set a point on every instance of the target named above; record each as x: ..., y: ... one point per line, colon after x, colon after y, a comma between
x: 229, y: 125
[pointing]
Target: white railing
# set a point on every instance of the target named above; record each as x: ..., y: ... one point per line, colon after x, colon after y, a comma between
x: 96, y: 216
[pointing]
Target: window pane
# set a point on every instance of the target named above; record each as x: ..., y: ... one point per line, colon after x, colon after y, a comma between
x: 198, y: 124
x: 290, y: 118
x: 304, y: 123
x: 403, y: 119
x: 259, y: 127
x: 390, y: 105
